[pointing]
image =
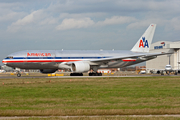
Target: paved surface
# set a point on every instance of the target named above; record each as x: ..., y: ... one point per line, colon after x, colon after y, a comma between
x: 110, y: 76
x: 11, y: 77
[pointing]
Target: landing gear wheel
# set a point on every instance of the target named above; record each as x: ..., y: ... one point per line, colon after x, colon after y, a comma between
x: 99, y: 74
x: 90, y: 74
x: 76, y: 74
x: 18, y: 75
x: 175, y: 73
x: 95, y: 74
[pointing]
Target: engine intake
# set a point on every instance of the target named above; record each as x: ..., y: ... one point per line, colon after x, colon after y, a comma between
x: 80, y: 67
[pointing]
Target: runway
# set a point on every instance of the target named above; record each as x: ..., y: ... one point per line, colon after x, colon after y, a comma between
x: 25, y: 76
x: 111, y: 76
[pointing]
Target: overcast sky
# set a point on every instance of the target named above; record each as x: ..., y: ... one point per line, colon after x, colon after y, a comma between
x: 84, y: 24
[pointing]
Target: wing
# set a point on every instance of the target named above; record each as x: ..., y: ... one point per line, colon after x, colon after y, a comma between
x: 142, y: 56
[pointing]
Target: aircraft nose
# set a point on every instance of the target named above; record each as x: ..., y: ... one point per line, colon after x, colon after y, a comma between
x: 4, y: 61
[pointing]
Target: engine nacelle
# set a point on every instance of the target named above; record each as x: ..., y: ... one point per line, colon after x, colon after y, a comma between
x: 46, y: 71
x: 80, y: 67
x: 158, y: 72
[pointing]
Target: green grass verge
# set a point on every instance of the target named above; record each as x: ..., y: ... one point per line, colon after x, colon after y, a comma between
x: 90, y: 96
x: 101, y: 118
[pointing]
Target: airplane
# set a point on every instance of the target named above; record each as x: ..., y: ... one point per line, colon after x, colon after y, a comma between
x: 168, y: 69
x: 81, y: 61
x: 2, y: 71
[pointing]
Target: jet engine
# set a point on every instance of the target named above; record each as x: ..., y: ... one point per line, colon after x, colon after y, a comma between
x: 46, y: 71
x: 158, y: 72
x: 80, y: 67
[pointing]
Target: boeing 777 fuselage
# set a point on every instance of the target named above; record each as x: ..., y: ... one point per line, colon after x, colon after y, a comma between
x: 80, y: 61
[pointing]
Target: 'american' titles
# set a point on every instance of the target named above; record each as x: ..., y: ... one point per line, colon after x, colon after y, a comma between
x: 39, y: 54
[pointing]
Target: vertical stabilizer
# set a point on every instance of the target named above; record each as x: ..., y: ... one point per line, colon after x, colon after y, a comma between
x: 145, y: 40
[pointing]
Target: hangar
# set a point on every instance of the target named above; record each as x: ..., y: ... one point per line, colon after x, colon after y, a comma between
x: 161, y: 61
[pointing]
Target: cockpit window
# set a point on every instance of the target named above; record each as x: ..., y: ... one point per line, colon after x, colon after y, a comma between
x: 9, y: 57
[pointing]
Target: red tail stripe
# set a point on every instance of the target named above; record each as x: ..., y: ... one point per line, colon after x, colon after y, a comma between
x: 129, y: 60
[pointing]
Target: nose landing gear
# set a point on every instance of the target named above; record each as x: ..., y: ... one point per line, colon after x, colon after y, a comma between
x: 17, y: 70
x: 18, y: 74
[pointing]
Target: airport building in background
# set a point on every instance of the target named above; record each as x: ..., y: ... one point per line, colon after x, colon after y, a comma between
x: 161, y: 61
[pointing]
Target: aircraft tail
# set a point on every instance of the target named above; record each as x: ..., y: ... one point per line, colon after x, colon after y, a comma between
x: 145, y: 40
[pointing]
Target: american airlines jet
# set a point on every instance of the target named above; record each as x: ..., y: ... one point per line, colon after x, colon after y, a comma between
x: 80, y: 61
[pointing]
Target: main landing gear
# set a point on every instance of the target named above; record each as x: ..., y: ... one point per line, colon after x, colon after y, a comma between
x: 76, y: 74
x: 81, y: 74
x: 95, y: 74
x: 94, y: 71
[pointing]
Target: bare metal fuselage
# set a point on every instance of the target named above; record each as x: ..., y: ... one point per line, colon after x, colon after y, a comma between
x: 50, y: 59
x: 90, y: 59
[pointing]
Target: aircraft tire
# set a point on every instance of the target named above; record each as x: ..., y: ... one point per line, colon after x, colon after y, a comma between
x: 95, y: 74
x: 99, y: 74
x: 92, y: 74
x: 18, y: 75
x: 76, y: 74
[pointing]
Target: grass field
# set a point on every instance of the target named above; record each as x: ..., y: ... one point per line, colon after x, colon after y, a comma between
x: 99, y: 118
x: 89, y: 96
